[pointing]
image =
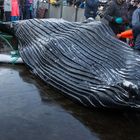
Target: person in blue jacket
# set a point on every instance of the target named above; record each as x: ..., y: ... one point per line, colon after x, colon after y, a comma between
x: 91, y: 8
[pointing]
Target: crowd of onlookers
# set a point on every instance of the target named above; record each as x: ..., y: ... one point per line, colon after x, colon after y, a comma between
x: 119, y: 14
x: 123, y: 15
x: 12, y: 10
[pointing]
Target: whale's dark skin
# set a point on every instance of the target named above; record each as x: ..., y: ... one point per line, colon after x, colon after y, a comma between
x: 83, y: 60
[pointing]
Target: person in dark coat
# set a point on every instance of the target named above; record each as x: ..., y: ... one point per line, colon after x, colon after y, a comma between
x: 131, y: 8
x: 91, y: 7
x: 136, y: 26
x: 28, y: 9
x: 116, y: 15
x: 21, y: 8
x: 1, y: 10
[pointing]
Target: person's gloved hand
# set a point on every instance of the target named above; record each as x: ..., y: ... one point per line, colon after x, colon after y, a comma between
x: 128, y: 27
x: 118, y: 36
x: 119, y: 20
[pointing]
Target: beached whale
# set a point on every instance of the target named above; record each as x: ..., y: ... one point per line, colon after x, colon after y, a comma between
x: 83, y: 60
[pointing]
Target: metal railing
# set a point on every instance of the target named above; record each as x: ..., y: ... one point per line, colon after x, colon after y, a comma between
x: 68, y: 13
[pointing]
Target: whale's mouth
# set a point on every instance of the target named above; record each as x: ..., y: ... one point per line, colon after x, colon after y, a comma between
x: 7, y: 27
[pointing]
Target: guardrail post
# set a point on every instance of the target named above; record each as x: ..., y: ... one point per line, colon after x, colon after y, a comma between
x: 61, y: 11
x: 76, y: 11
x: 48, y: 10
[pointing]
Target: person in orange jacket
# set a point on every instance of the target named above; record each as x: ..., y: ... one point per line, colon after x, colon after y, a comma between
x: 15, y: 10
x: 126, y: 34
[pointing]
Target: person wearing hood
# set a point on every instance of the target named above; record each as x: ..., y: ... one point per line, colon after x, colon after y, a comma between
x: 21, y: 8
x: 116, y: 14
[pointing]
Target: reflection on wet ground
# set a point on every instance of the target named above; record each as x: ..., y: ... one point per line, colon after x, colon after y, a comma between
x: 32, y: 110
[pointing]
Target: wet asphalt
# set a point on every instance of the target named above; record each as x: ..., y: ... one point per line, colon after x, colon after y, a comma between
x: 32, y: 110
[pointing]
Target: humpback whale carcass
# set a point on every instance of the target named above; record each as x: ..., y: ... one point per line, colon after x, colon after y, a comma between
x: 83, y: 60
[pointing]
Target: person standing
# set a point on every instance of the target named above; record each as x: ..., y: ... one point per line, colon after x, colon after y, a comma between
x: 91, y: 7
x: 35, y: 7
x: 7, y: 10
x: 15, y: 10
x: 136, y: 26
x: 1, y: 10
x: 116, y: 14
x: 131, y: 8
x: 28, y: 9
x: 21, y: 8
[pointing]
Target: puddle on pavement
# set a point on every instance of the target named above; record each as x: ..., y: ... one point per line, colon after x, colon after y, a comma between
x: 32, y: 110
